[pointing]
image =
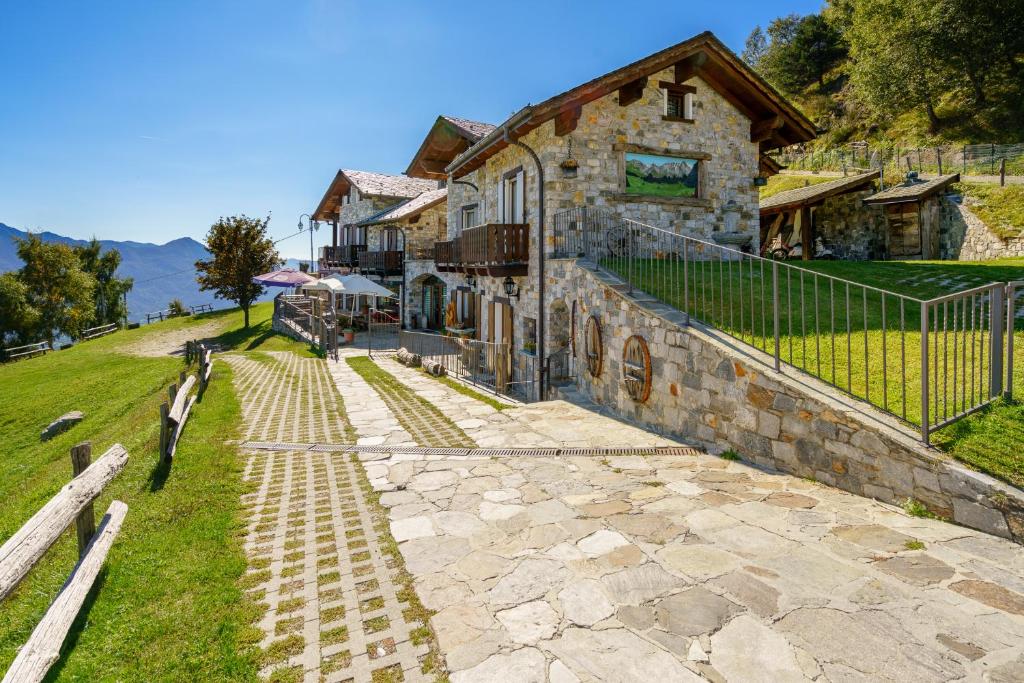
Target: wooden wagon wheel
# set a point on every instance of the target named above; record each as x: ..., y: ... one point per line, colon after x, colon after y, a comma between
x: 636, y: 368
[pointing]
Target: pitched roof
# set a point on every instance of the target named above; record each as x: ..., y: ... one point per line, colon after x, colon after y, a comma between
x: 913, y: 190
x: 368, y: 183
x: 409, y: 209
x: 814, y: 194
x: 704, y: 56
x: 448, y: 137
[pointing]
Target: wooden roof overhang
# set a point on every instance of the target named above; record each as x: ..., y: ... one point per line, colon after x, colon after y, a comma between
x: 812, y: 195
x: 443, y: 143
x: 327, y: 209
x: 902, y: 194
x: 774, y: 121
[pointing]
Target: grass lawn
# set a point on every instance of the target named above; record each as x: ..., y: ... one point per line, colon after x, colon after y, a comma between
x: 844, y: 337
x: 167, y: 606
x: 467, y: 391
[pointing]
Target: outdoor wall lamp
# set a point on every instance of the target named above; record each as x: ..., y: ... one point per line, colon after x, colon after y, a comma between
x: 511, y: 288
x: 470, y: 280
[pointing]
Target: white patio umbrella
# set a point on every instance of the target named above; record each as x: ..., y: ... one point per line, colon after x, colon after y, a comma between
x: 356, y: 286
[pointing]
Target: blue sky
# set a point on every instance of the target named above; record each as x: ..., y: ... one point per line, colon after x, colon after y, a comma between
x: 148, y: 120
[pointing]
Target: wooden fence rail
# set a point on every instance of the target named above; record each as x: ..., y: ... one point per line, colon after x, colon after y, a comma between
x: 21, y: 552
x: 99, y: 331
x: 43, y: 647
x: 175, y: 411
x: 27, y: 351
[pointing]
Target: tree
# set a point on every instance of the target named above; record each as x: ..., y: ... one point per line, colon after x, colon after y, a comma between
x: 57, y: 288
x: 17, y: 316
x: 796, y: 51
x: 755, y: 48
x: 109, y: 300
x: 241, y: 250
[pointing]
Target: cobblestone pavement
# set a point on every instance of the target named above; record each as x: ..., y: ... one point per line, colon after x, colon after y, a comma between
x: 687, y: 568
x: 335, y: 611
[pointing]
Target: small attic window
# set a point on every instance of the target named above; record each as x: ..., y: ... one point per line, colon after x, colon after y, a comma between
x: 678, y: 102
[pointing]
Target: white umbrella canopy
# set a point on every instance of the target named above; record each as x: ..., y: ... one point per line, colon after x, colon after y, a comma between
x: 325, y: 285
x: 358, y: 284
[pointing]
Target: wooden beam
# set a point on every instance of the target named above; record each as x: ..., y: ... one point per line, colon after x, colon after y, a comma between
x: 690, y: 67
x: 22, y: 550
x: 764, y: 129
x: 43, y: 647
x: 806, y: 234
x: 632, y: 91
x: 565, y: 121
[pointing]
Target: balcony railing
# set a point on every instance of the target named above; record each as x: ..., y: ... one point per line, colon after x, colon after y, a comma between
x: 381, y: 262
x: 491, y: 249
x: 344, y: 256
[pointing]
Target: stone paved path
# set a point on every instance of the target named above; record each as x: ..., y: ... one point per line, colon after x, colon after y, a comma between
x: 686, y: 568
x: 316, y: 559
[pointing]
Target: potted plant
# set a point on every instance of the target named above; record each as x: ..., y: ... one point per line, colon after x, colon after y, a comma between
x: 350, y: 335
x: 530, y: 347
x: 569, y: 167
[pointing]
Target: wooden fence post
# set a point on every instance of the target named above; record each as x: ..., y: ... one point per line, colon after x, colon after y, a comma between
x: 1002, y: 172
x: 938, y: 155
x: 164, y: 410
x: 85, y: 523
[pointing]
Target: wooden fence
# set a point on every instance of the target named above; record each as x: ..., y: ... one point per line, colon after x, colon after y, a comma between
x: 175, y: 411
x: 26, y: 351
x: 99, y: 331
x: 73, y: 503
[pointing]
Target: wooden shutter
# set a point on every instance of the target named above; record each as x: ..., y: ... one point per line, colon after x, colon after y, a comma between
x: 519, y: 212
x: 501, y: 202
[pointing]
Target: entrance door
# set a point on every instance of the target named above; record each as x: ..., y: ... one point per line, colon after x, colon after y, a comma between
x: 433, y: 305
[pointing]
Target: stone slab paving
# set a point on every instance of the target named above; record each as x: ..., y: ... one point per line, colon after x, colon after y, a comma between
x: 547, y: 424
x: 681, y: 568
x: 334, y: 611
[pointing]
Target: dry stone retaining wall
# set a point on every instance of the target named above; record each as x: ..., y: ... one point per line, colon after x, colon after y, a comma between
x: 965, y: 237
x: 705, y: 387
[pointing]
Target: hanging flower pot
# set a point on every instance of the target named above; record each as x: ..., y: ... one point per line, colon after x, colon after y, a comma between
x: 570, y: 168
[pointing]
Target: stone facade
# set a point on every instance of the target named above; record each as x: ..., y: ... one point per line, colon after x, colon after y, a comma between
x: 421, y: 232
x: 854, y: 229
x: 357, y: 207
x: 705, y: 389
x: 719, y: 130
x: 965, y: 237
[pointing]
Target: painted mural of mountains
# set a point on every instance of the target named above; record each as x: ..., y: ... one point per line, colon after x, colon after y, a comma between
x: 670, y: 178
x: 161, y: 271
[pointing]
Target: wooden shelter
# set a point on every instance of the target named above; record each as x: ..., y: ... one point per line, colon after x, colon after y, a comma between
x: 793, y: 207
x: 912, y: 216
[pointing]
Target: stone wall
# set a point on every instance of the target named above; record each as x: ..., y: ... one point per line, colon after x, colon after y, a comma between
x: 364, y: 206
x: 855, y: 229
x: 416, y: 271
x: 420, y: 232
x: 966, y: 238
x: 707, y: 388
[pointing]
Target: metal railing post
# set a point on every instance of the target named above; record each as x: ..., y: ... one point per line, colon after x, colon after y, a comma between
x: 924, y: 373
x: 775, y: 313
x: 629, y: 249
x: 996, y: 341
x: 1011, y: 319
x: 686, y: 279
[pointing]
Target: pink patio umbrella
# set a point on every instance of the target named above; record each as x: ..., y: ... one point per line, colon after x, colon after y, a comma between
x: 286, y: 277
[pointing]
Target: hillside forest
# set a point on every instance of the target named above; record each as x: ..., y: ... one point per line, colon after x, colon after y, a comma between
x: 942, y: 71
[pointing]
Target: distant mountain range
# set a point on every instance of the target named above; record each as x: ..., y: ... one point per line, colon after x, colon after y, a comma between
x: 161, y: 271
x: 679, y: 170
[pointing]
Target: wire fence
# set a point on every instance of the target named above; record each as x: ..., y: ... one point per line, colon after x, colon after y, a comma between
x: 968, y: 160
x: 926, y: 362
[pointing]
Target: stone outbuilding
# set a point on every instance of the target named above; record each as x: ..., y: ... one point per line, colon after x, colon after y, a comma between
x: 913, y: 212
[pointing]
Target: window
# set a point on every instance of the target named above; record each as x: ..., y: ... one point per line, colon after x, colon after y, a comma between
x: 469, y: 216
x: 656, y: 175
x: 511, y: 197
x: 678, y: 102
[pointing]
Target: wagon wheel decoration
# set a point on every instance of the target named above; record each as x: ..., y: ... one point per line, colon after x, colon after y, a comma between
x: 636, y: 368
x: 617, y: 241
x: 592, y: 346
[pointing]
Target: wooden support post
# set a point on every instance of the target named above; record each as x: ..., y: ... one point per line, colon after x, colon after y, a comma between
x: 938, y: 156
x: 1002, y: 172
x: 85, y: 523
x: 805, y: 233
x: 163, y: 428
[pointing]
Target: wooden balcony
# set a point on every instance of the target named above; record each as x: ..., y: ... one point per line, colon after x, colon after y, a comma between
x: 496, y: 249
x: 344, y: 256
x: 380, y: 262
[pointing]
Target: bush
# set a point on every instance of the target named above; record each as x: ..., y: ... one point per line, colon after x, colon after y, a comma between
x: 177, y: 308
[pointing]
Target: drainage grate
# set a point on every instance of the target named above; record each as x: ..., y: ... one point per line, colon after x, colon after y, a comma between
x: 467, y: 452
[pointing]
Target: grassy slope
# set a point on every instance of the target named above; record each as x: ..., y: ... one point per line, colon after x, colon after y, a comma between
x: 168, y: 607
x: 781, y: 183
x: 981, y: 443
x: 1000, y: 208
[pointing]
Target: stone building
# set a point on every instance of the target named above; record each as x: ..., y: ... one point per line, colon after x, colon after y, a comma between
x: 352, y: 197
x: 693, y: 110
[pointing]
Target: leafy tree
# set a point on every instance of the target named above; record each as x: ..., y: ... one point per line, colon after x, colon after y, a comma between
x: 755, y: 48
x: 57, y: 288
x: 17, y: 316
x: 795, y: 51
x: 896, y: 58
x: 241, y: 250
x: 109, y: 300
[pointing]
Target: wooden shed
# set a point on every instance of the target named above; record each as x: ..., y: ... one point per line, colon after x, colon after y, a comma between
x: 912, y: 216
